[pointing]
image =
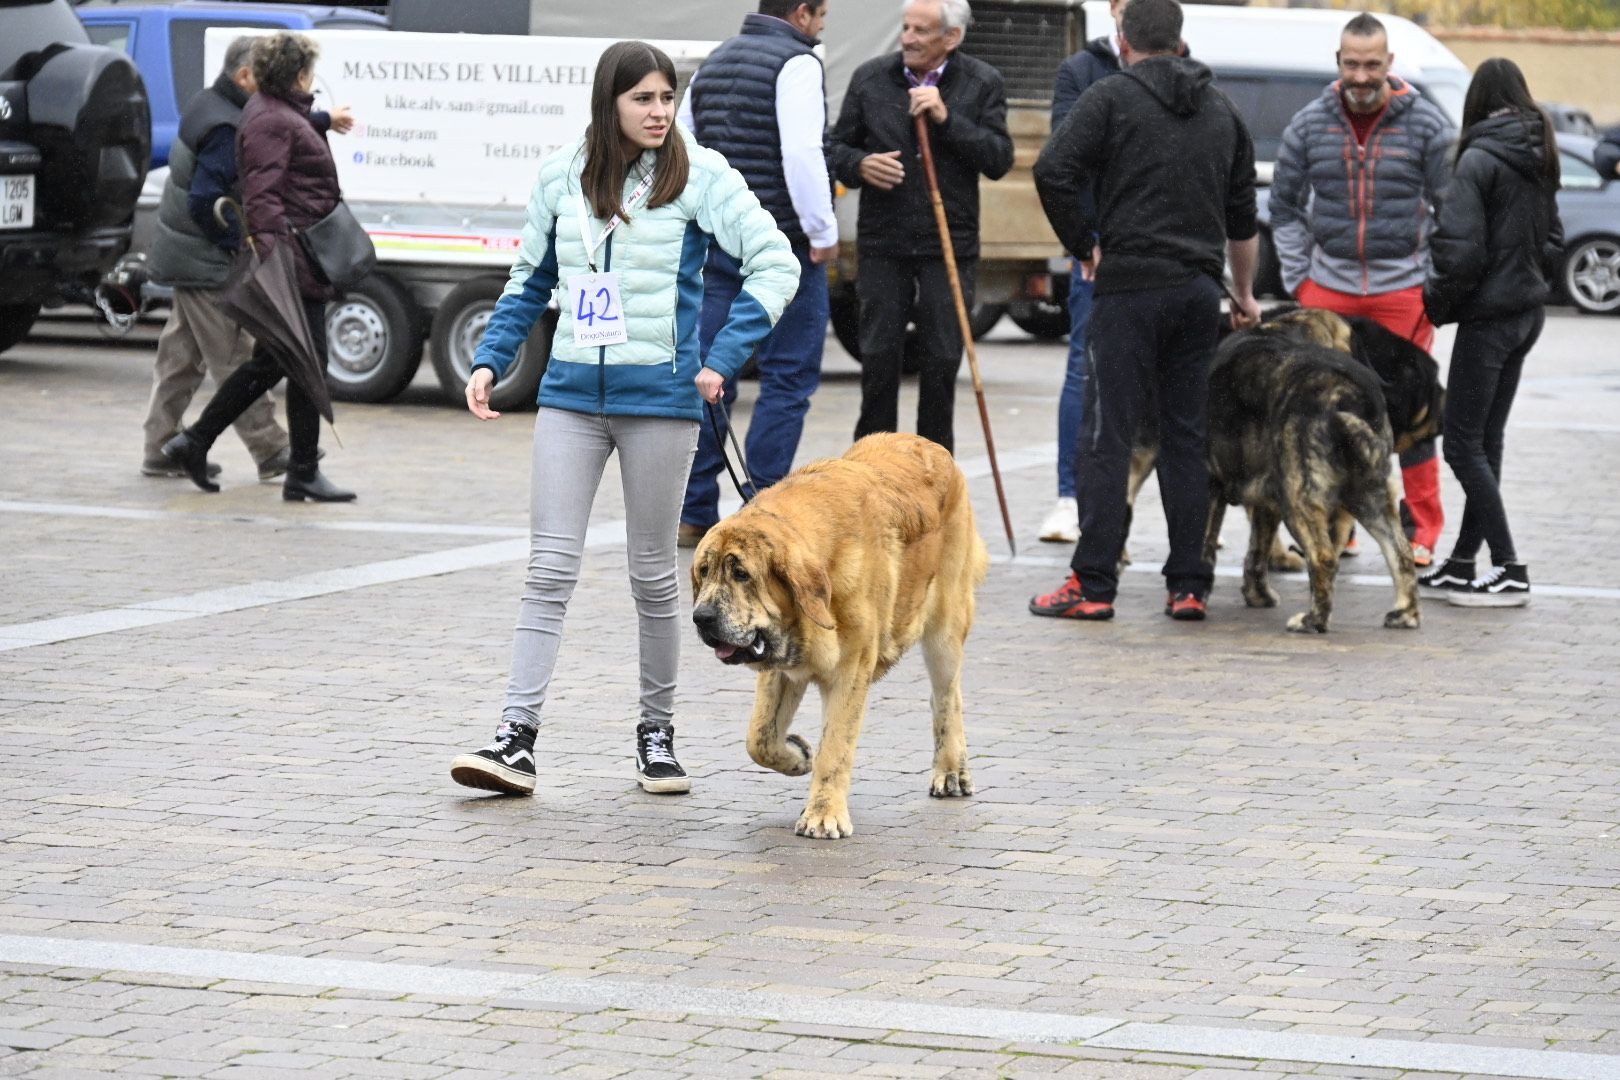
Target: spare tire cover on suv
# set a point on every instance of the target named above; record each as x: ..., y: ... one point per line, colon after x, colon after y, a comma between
x: 89, y: 116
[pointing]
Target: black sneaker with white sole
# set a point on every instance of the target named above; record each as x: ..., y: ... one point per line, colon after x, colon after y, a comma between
x: 656, y: 767
x: 505, y: 765
x: 1453, y: 575
x: 1504, y: 586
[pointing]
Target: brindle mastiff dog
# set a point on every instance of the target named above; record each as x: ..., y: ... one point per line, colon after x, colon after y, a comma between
x: 828, y: 577
x: 1300, y: 436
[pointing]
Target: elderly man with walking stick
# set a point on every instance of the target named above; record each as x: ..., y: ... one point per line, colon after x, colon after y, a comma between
x: 874, y: 147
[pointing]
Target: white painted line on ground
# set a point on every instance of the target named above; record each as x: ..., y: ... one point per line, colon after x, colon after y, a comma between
x: 1152, y: 566
x: 261, y: 593
x: 514, y: 989
x: 133, y: 514
x: 1367, y: 1053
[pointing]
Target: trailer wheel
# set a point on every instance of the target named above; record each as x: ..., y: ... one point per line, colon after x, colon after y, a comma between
x: 373, y: 341
x: 459, y: 326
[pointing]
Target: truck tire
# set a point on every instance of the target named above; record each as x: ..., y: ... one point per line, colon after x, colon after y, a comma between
x: 1044, y: 319
x: 15, y: 322
x: 459, y: 326
x: 373, y: 341
x: 1268, y: 269
x: 846, y: 324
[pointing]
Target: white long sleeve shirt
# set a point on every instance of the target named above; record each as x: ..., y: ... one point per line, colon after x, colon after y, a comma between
x: 801, y: 123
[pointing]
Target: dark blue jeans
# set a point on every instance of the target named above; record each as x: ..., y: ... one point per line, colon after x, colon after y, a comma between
x: 1072, y: 400
x: 789, y: 372
x: 1486, y: 361
x: 1153, y: 344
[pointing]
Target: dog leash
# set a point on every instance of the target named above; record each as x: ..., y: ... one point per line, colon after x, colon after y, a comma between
x: 720, y: 441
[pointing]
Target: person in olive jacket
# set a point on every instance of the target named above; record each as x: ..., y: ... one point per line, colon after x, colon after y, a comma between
x: 289, y: 182
x: 874, y: 147
x: 1495, y: 241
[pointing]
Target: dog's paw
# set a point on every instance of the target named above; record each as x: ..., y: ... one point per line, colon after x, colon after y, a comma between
x: 1306, y: 623
x: 1285, y: 561
x: 1402, y: 619
x: 950, y: 785
x: 1259, y: 595
x: 797, y: 744
x: 819, y: 824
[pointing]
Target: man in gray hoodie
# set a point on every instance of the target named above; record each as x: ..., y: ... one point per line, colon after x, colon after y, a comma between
x: 1352, y: 206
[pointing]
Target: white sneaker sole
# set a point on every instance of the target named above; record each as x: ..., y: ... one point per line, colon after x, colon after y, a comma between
x: 1058, y: 536
x: 673, y: 785
x: 1501, y: 600
x: 470, y: 770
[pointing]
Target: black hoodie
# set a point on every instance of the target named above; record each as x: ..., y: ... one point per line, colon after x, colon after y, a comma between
x: 1173, y: 168
x: 1497, y: 237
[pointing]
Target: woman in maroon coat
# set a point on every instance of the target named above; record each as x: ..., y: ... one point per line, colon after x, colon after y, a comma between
x: 289, y: 182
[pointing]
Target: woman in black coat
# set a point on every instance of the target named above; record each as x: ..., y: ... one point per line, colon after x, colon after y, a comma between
x: 1496, y: 239
x: 289, y: 182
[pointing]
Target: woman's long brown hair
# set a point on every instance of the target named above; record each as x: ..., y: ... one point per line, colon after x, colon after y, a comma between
x: 606, y: 164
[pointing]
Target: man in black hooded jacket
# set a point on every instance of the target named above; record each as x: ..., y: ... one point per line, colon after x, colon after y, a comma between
x: 1172, y: 166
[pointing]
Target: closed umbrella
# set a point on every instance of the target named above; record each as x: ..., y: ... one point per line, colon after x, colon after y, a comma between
x: 261, y: 293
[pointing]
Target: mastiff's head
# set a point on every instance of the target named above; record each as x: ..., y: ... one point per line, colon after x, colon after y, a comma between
x: 758, y: 591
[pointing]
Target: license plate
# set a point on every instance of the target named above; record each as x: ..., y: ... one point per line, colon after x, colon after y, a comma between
x: 16, y: 202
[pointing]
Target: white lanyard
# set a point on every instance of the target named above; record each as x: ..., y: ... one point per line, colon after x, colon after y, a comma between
x: 585, y: 220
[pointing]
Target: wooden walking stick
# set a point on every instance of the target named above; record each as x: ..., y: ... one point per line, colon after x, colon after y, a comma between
x: 962, y: 317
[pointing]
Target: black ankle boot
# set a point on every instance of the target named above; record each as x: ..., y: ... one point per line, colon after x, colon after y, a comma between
x: 310, y: 484
x: 192, y: 456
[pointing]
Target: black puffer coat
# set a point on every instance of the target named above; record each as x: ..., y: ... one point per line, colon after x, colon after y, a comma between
x: 1498, y: 238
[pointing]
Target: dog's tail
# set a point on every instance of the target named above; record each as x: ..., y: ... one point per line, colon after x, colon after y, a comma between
x: 1365, y: 445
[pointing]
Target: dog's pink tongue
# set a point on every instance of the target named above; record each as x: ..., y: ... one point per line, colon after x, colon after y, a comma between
x: 724, y: 652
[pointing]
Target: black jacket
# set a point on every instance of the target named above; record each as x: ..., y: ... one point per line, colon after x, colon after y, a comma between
x: 1497, y: 237
x: 973, y: 141
x: 1173, y: 169
x: 1096, y: 61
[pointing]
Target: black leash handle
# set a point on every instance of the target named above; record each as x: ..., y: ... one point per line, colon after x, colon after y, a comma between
x: 720, y: 441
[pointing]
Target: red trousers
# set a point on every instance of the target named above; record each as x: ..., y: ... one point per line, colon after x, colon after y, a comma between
x: 1400, y: 313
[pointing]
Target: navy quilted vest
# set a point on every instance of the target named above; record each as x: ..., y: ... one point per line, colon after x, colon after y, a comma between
x: 734, y: 110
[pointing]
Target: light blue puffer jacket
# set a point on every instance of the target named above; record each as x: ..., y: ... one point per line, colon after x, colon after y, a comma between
x: 658, y: 256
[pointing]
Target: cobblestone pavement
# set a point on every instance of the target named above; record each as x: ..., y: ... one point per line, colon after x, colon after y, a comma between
x: 229, y: 846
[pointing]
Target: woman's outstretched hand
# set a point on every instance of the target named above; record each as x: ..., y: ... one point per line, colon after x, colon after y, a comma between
x: 478, y: 394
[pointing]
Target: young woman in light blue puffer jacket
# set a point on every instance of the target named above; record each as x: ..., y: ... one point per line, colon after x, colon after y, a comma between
x: 620, y: 223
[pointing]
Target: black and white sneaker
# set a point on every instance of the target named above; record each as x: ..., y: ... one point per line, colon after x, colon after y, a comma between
x: 1453, y: 575
x: 1504, y: 586
x: 505, y: 765
x: 656, y: 766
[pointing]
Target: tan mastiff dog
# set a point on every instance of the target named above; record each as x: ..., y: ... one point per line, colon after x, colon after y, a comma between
x: 828, y: 578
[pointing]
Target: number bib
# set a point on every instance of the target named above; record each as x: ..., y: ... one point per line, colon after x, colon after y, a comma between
x: 594, y: 301
x: 598, y: 314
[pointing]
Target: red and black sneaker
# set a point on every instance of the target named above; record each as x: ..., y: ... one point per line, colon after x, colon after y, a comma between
x: 1069, y: 602
x: 1185, y: 607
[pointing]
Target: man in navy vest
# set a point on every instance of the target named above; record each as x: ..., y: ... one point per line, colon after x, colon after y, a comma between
x: 760, y: 100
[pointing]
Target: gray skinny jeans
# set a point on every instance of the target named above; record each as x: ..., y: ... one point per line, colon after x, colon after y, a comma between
x: 570, y: 451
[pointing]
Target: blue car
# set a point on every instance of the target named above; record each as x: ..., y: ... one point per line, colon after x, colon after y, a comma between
x: 166, y: 43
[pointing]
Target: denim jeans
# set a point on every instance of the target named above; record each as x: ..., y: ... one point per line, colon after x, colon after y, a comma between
x: 1076, y: 379
x: 789, y: 372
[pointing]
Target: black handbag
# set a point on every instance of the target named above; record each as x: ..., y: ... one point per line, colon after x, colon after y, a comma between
x: 338, y: 248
